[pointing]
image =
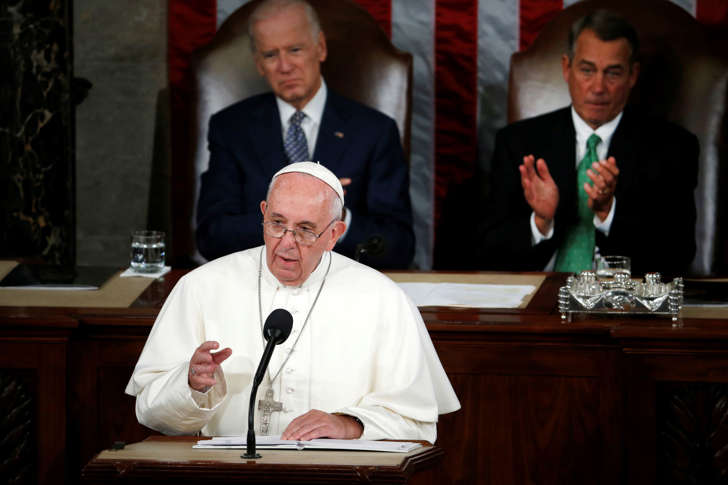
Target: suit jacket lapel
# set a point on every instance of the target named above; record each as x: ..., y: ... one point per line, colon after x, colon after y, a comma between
x: 563, y: 165
x: 332, y: 140
x: 267, y: 136
x: 622, y: 149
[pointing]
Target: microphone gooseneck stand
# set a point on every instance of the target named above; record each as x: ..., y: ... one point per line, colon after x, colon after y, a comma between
x: 276, y: 330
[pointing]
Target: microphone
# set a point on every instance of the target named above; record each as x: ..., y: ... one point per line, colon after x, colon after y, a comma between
x: 276, y: 330
x: 374, y: 246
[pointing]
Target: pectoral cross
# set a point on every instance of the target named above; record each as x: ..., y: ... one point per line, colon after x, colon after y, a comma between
x: 268, y: 406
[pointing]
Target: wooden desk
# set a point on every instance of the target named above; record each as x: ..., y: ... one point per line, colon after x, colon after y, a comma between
x: 599, y: 400
x: 167, y: 459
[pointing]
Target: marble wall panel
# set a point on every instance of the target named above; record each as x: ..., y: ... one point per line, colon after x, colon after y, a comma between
x: 36, y: 143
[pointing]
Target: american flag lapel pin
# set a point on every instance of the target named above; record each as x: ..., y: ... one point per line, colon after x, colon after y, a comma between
x: 338, y: 134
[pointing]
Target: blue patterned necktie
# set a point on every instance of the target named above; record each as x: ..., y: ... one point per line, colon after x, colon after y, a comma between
x: 577, y: 250
x: 295, y: 142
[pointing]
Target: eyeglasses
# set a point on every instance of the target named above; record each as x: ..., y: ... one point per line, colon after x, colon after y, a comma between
x: 305, y: 237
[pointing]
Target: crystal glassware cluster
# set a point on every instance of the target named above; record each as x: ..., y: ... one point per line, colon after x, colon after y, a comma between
x: 585, y: 293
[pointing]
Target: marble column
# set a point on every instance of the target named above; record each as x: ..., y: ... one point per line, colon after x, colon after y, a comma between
x: 36, y: 131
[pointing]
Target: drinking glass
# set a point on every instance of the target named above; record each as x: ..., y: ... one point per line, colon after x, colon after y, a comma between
x: 147, y: 251
x: 608, y: 266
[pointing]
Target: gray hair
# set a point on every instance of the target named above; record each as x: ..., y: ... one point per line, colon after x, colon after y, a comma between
x: 607, y: 25
x: 267, y: 8
x: 336, y: 205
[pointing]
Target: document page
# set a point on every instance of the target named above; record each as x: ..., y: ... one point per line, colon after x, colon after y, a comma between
x: 276, y: 443
x: 467, y: 295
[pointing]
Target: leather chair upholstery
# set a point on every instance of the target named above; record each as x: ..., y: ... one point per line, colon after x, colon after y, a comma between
x: 683, y: 78
x: 362, y: 64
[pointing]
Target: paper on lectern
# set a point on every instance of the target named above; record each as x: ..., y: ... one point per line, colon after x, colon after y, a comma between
x: 276, y: 443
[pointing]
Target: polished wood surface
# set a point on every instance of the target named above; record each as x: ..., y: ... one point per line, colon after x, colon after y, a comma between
x: 595, y: 400
x: 167, y: 459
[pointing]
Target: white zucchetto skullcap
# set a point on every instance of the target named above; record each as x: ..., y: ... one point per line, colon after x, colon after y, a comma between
x: 317, y: 170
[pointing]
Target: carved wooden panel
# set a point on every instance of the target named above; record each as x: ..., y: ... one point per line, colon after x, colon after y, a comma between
x: 692, y: 433
x: 40, y: 364
x: 18, y: 446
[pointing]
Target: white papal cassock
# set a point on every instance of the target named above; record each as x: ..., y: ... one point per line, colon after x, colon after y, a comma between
x: 365, y: 352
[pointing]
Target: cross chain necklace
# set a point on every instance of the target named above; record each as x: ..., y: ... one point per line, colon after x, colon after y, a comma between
x: 269, y: 405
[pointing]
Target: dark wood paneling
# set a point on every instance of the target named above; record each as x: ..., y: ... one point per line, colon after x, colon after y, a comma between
x: 102, y: 413
x: 527, y: 410
x: 45, y: 360
x: 594, y: 400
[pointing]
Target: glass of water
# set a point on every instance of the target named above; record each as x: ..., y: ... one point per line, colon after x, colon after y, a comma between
x: 608, y: 266
x: 147, y: 251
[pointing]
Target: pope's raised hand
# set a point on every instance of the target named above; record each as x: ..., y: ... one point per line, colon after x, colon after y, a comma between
x: 540, y: 190
x: 201, y: 373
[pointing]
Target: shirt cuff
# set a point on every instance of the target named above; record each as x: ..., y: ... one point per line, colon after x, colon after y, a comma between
x: 212, y: 396
x: 536, y: 236
x: 606, y: 225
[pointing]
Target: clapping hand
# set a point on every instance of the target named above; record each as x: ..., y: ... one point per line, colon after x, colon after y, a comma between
x: 540, y: 191
x: 603, y: 175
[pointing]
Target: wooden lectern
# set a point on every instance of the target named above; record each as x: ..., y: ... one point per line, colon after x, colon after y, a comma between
x: 165, y: 459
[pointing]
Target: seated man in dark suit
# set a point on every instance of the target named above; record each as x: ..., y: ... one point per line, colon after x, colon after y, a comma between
x: 593, y: 178
x: 303, y: 120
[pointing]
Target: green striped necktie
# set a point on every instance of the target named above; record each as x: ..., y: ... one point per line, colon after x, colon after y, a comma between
x: 577, y: 250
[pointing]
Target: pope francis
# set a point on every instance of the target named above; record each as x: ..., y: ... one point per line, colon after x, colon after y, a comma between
x: 359, y: 362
